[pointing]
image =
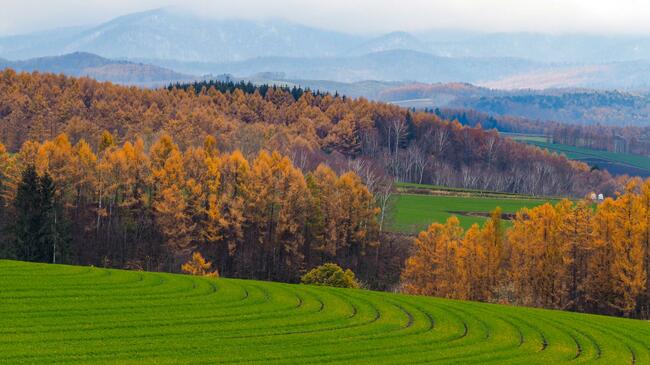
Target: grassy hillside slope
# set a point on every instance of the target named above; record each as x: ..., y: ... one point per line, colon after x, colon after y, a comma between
x: 614, y: 162
x: 73, y: 315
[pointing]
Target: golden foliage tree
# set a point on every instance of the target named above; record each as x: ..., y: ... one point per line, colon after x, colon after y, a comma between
x: 628, y: 270
x: 199, y: 266
x: 572, y: 255
x: 432, y: 270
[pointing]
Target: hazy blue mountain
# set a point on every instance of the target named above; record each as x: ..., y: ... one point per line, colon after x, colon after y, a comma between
x: 393, y: 65
x: 405, y: 65
x: 171, y: 34
x: 99, y: 68
x: 70, y: 64
x: 390, y: 42
x: 563, y: 48
x: 548, y: 48
x: 628, y: 75
x: 193, y: 45
x: 47, y: 43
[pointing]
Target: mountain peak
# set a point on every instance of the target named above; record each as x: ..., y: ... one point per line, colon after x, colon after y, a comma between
x: 165, y: 33
x: 397, y: 40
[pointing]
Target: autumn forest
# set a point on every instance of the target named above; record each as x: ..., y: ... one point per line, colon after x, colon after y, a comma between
x: 269, y: 182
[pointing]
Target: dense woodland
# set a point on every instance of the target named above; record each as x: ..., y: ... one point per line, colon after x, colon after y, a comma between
x: 571, y: 256
x: 311, y: 128
x: 270, y: 182
x: 150, y: 208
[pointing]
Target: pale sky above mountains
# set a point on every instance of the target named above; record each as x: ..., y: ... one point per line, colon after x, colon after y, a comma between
x: 357, y: 16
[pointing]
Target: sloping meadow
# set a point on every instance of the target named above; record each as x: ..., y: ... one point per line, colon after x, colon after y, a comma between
x: 73, y: 314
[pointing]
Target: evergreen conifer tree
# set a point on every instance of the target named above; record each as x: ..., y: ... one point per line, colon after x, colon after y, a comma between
x: 28, y: 216
x: 39, y: 226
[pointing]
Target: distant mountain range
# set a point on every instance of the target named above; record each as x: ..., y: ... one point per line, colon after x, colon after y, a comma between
x: 413, y: 66
x: 174, y: 34
x: 384, y: 66
x: 170, y: 34
x: 99, y: 68
x: 195, y: 45
x: 548, y: 48
x: 389, y: 65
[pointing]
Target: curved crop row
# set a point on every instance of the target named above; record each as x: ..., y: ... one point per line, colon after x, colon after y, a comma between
x: 71, y: 314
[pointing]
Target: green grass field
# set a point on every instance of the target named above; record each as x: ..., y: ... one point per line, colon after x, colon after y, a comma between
x: 526, y: 137
x: 585, y: 153
x: 74, y: 315
x: 617, y: 163
x: 411, y: 213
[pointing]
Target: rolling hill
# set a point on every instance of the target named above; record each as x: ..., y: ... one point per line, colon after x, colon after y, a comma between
x: 614, y: 162
x: 388, y: 65
x: 74, y: 314
x: 99, y: 68
x: 567, y: 105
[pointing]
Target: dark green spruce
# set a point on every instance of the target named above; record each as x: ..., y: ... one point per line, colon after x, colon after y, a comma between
x: 40, y: 228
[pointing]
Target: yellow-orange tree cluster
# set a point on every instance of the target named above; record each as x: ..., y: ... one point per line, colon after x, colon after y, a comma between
x: 310, y: 127
x: 573, y: 256
x: 129, y: 205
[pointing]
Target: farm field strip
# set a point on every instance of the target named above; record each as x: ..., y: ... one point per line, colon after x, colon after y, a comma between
x: 523, y: 137
x: 411, y: 213
x: 414, y: 188
x: 66, y: 314
x: 618, y: 162
x: 579, y: 152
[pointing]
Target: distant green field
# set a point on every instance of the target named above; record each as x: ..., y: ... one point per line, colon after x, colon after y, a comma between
x: 83, y: 315
x: 616, y: 163
x: 412, y: 213
x: 526, y: 138
x: 415, y: 188
x: 585, y: 153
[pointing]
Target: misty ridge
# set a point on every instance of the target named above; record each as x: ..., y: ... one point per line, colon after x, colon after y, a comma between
x: 192, y: 45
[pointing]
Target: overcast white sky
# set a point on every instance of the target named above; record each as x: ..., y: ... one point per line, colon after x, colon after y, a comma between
x: 364, y: 16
